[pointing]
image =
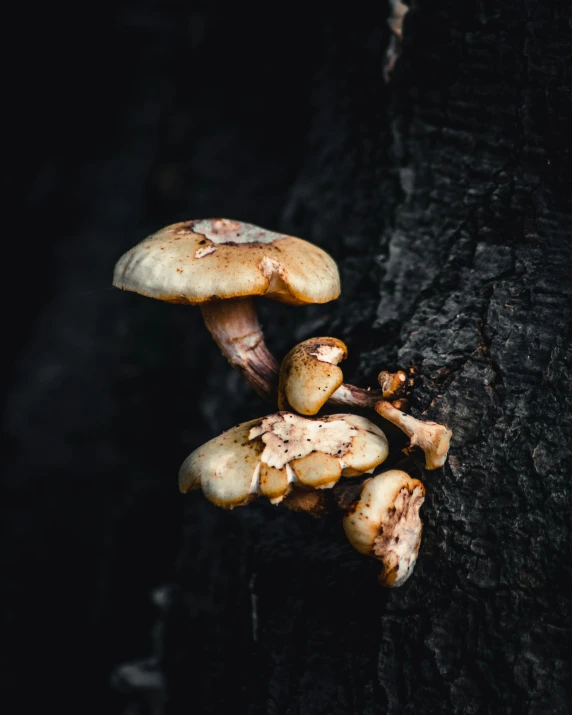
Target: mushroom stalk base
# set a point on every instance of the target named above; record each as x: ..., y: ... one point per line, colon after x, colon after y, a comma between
x: 236, y: 330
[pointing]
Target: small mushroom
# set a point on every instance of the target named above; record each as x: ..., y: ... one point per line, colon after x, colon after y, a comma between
x: 220, y: 264
x: 392, y: 383
x: 385, y: 524
x: 309, y: 374
x: 273, y: 455
x: 433, y: 438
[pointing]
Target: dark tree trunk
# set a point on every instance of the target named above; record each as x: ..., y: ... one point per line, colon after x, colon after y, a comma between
x: 445, y: 197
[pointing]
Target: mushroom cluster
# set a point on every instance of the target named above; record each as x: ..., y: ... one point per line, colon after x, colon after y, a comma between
x: 281, y: 453
x: 291, y: 456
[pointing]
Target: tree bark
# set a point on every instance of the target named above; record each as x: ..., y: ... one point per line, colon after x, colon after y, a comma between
x: 444, y: 195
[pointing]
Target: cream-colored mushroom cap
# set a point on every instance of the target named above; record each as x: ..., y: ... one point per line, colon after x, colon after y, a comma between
x: 215, y: 259
x: 309, y: 374
x: 271, y: 455
x: 385, y: 524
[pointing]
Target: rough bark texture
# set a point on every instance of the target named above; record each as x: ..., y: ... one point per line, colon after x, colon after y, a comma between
x: 445, y: 197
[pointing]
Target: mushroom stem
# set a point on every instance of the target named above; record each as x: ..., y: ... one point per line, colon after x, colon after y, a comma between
x: 236, y: 330
x: 432, y: 437
x: 350, y: 395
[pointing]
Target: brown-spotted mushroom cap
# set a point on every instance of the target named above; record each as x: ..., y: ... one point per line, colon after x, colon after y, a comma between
x: 309, y: 374
x: 217, y: 259
x: 274, y: 454
x: 385, y: 524
x: 220, y: 265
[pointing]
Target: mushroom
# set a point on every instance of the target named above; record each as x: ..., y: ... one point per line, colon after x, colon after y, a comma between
x: 273, y: 455
x: 385, y: 524
x: 392, y: 383
x: 220, y: 264
x: 433, y: 438
x: 309, y: 374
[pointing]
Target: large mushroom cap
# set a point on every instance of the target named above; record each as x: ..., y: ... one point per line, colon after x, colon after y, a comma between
x: 269, y: 455
x: 212, y: 259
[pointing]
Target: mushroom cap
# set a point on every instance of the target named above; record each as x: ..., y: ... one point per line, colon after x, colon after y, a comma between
x: 217, y: 259
x: 269, y: 455
x: 309, y: 374
x: 385, y: 524
x: 225, y: 468
x: 368, y: 444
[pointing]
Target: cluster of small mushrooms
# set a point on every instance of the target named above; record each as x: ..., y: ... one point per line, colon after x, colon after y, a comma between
x: 290, y: 456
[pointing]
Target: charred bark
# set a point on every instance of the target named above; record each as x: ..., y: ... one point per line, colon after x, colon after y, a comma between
x: 445, y: 197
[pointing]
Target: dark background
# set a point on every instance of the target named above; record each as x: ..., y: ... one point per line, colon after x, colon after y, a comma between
x: 445, y: 198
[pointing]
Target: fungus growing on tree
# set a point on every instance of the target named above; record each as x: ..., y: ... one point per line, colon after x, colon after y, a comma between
x: 220, y: 264
x: 392, y: 383
x: 385, y: 524
x: 309, y: 374
x: 433, y: 438
x: 274, y: 455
